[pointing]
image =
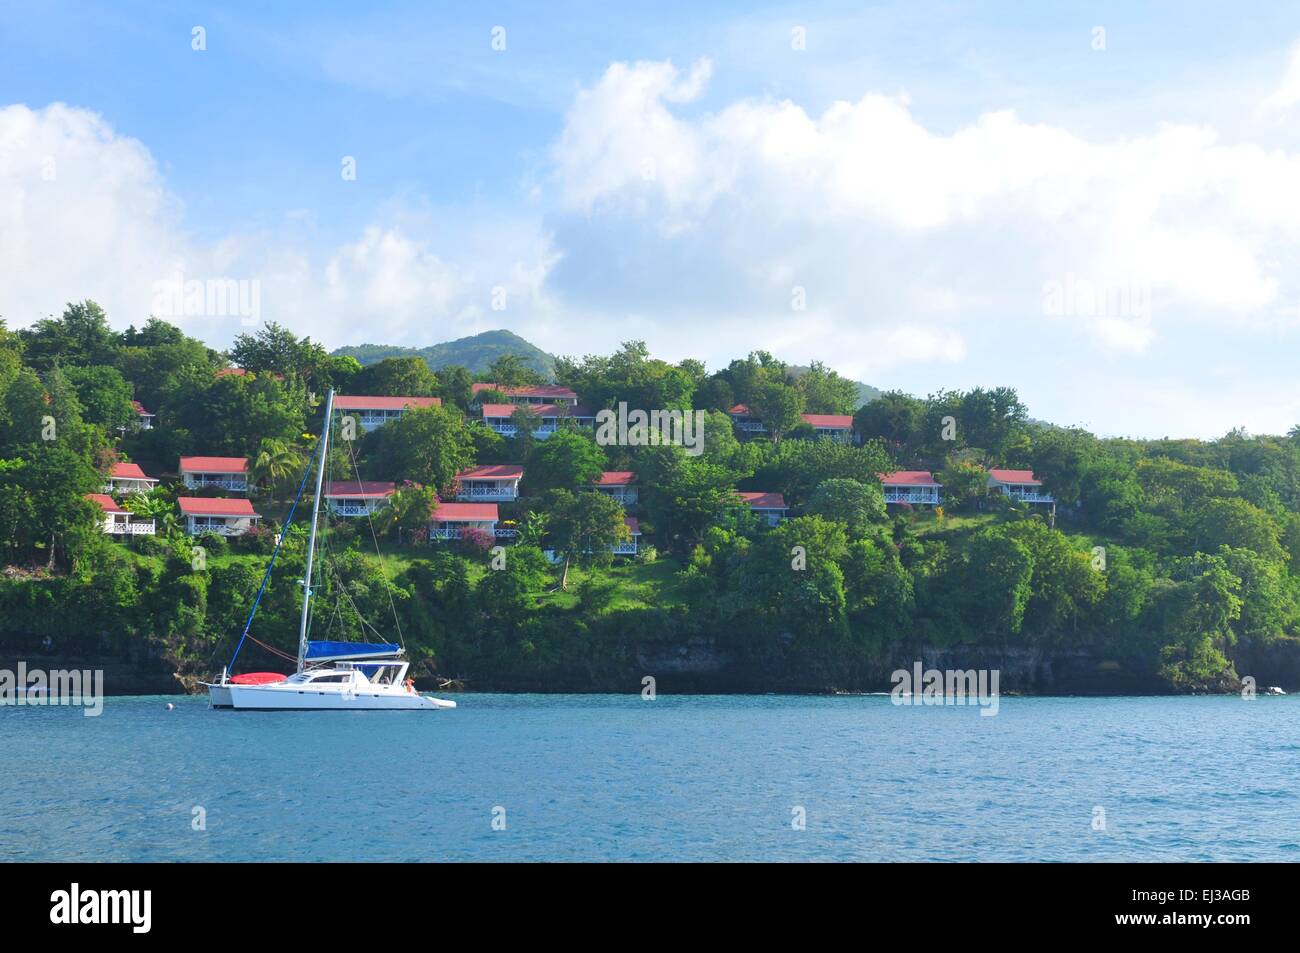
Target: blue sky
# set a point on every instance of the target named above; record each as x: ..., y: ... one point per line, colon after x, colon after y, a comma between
x: 923, y: 174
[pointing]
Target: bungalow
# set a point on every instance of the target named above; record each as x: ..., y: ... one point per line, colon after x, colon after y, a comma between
x: 118, y: 521
x: 371, y: 412
x: 917, y: 487
x: 1019, y: 485
x: 491, y: 482
x: 499, y: 417
x: 128, y: 478
x: 450, y: 520
x: 220, y: 516
x: 628, y: 547
x: 745, y: 420
x: 145, y: 418
x: 540, y: 394
x: 839, y: 427
x: 769, y: 506
x: 357, y: 499
x: 620, y: 484
x: 215, y: 473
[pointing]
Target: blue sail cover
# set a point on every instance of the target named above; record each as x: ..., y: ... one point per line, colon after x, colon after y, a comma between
x: 318, y: 651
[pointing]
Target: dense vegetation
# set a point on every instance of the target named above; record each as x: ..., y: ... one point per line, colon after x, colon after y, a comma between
x: 1163, y: 556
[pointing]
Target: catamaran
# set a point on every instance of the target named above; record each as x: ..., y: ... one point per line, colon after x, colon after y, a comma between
x: 332, y: 675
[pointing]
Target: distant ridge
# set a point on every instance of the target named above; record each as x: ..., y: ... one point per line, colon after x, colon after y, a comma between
x: 476, y: 352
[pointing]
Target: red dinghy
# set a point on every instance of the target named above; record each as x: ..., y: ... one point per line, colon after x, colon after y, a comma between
x: 257, y: 678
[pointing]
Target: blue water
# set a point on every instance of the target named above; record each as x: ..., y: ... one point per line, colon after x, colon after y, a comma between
x: 598, y: 777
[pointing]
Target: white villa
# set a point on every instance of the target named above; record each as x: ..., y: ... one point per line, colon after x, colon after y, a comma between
x: 620, y: 484
x: 745, y: 420
x: 917, y: 487
x: 1019, y: 485
x: 494, y: 482
x: 628, y: 547
x: 548, y: 394
x: 839, y: 427
x: 118, y: 521
x: 145, y: 418
x: 450, y: 520
x: 128, y: 478
x: 371, y: 412
x: 221, y: 516
x: 215, y: 473
x: 770, y: 506
x: 498, y: 417
x: 357, y: 499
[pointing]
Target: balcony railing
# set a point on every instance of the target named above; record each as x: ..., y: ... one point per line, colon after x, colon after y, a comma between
x: 624, y: 549
x: 622, y: 495
x: 134, y: 528
x: 239, y: 484
x: 1030, y: 496
x: 217, y: 529
x: 487, y: 492
x: 351, y: 509
x: 506, y: 533
x: 911, y: 496
x: 751, y: 426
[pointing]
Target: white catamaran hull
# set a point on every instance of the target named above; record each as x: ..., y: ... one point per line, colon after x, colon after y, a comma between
x: 289, y: 697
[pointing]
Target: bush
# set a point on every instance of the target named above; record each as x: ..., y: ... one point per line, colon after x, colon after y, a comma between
x: 646, y: 553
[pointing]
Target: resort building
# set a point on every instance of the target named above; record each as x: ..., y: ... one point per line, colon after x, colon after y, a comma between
x: 539, y: 394
x: 500, y: 483
x: 220, y: 516
x: 745, y: 421
x: 620, y: 484
x: 450, y: 520
x: 215, y: 473
x: 1019, y: 485
x: 145, y: 418
x: 628, y: 547
x: 371, y: 412
x: 351, y: 498
x: 550, y: 417
x: 917, y: 487
x: 118, y: 521
x: 839, y: 427
x: 128, y: 478
x: 769, y: 506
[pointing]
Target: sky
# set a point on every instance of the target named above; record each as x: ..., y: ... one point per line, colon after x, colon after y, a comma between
x: 1095, y: 203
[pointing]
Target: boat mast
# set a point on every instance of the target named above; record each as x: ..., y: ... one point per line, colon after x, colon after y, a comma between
x: 315, y: 517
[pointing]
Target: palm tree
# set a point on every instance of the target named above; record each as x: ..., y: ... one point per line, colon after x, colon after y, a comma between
x: 274, y: 462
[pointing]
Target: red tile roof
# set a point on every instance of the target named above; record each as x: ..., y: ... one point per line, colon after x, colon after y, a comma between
x: 139, y: 409
x: 491, y: 472
x: 214, y: 464
x: 130, y: 471
x: 542, y: 390
x: 1014, y: 476
x: 366, y: 488
x: 231, y: 372
x: 105, y: 502
x: 615, y: 478
x: 199, y: 506
x: 764, y: 501
x: 365, y: 402
x: 908, y: 478
x: 633, y: 526
x: 541, y: 410
x: 833, y: 421
x: 740, y: 410
x: 464, y: 512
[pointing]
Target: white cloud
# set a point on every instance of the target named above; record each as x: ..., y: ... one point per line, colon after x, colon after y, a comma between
x: 1287, y: 93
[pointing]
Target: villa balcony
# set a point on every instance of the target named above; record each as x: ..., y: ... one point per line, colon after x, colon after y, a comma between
x: 499, y: 493
x: 624, y: 549
x: 352, y: 509
x: 237, y: 484
x: 913, y: 497
x: 1030, y: 496
x: 133, y: 528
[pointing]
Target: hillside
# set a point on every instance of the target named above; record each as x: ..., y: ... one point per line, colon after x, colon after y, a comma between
x: 476, y: 352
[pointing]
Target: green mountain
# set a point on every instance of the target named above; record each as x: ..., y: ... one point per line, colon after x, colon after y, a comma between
x: 866, y: 393
x: 476, y: 352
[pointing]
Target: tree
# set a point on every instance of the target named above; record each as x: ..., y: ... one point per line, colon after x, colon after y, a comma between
x: 275, y: 462
x: 779, y: 406
x: 275, y: 349
x: 566, y: 460
x: 427, y: 445
x: 964, y: 483
x: 104, y: 396
x: 408, y: 510
x: 456, y: 386
x: 792, y: 579
x: 80, y: 337
x: 582, y: 527
x: 397, y: 377
x: 896, y: 418
x: 510, y: 370
x: 683, y: 495
x: 1234, y: 522
x: 826, y: 392
x: 855, y: 505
